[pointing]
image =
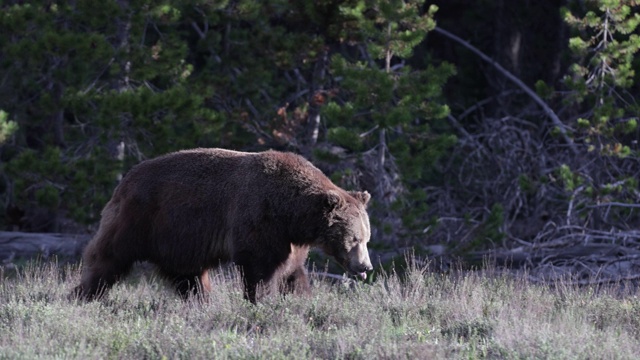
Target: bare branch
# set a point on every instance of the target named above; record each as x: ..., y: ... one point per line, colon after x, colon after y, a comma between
x: 368, y: 132
x: 197, y: 29
x: 552, y: 115
x: 333, y: 276
x: 613, y: 203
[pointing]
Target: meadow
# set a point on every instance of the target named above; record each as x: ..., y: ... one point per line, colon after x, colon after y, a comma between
x: 416, y: 315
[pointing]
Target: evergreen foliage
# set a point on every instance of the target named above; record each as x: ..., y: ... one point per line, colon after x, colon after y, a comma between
x: 93, y: 87
x: 7, y: 127
x: 452, y: 151
x: 605, y: 43
x: 381, y: 92
x: 120, y: 82
x: 606, y: 46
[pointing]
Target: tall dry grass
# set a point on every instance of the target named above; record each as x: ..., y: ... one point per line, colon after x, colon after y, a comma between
x: 419, y: 315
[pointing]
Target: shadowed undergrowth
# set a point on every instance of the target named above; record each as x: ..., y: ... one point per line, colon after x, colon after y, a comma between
x: 417, y: 315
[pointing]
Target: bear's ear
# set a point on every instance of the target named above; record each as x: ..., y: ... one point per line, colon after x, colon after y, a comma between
x: 362, y: 196
x: 333, y: 199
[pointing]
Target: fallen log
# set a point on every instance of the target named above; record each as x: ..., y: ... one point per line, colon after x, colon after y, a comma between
x: 14, y: 244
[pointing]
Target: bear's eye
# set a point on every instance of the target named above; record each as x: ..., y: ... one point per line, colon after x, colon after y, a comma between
x: 355, y: 240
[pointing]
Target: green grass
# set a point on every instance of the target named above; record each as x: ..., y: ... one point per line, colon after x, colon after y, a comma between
x: 418, y: 316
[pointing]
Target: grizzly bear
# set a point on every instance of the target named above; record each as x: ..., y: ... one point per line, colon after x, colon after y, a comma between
x: 191, y: 210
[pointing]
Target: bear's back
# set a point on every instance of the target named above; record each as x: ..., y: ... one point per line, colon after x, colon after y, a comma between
x: 197, y: 170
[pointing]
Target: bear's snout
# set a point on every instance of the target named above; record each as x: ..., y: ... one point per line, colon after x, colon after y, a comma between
x: 360, y: 263
x: 358, y: 268
x: 362, y: 271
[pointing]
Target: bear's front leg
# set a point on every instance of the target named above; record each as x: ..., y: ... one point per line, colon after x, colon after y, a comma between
x: 189, y: 285
x: 297, y: 283
x: 101, y: 269
x: 256, y: 271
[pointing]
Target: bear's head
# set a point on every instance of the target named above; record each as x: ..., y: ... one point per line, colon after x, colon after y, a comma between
x: 348, y: 231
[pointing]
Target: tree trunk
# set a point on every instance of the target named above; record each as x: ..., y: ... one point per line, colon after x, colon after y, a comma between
x: 14, y: 244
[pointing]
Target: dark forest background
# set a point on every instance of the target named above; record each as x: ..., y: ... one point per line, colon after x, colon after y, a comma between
x: 503, y: 127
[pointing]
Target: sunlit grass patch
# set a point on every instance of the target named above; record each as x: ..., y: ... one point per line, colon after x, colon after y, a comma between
x: 418, y: 314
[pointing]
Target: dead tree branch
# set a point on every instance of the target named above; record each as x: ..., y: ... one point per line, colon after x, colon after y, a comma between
x: 14, y: 244
x: 552, y: 115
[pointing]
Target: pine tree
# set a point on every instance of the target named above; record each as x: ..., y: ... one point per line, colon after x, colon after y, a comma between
x: 606, y: 43
x: 603, y: 87
x: 93, y: 87
x: 389, y: 111
x: 96, y: 87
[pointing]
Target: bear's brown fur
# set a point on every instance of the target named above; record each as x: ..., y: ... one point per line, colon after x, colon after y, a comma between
x: 191, y: 210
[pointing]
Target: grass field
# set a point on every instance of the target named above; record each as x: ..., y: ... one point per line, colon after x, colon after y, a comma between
x: 419, y: 315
